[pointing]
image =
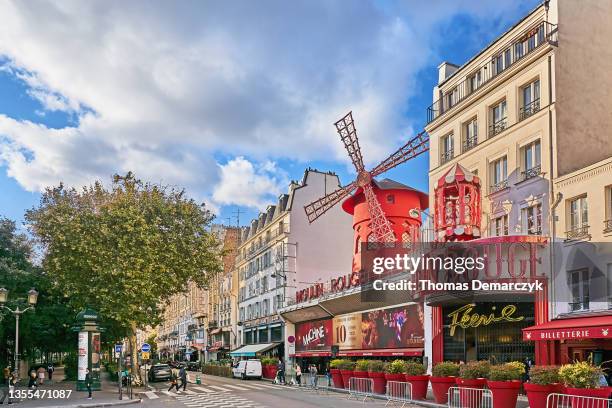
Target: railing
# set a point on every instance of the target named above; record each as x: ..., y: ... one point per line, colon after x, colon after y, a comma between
x: 462, y: 397
x: 497, y: 127
x: 361, y: 388
x: 577, y: 233
x: 315, y: 382
x: 523, y: 44
x: 499, y: 186
x: 575, y: 401
x: 446, y: 156
x: 531, y: 173
x: 608, y: 225
x: 470, y: 143
x: 398, y: 391
x: 529, y: 109
x: 579, y: 304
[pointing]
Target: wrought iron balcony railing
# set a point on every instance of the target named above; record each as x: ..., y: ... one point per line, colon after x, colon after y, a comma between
x: 577, y: 232
x: 608, y: 225
x: 499, y: 186
x: 470, y: 143
x: 529, y: 109
x: 498, y: 127
x: 525, y: 43
x: 446, y: 156
x: 532, y: 172
x: 579, y: 304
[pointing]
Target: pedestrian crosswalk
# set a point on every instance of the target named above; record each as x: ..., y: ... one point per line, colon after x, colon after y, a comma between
x: 219, y: 400
x: 205, y: 390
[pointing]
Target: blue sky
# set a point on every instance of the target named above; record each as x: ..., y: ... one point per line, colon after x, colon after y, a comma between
x: 226, y: 99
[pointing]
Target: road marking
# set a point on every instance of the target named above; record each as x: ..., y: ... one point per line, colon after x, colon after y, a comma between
x: 189, y: 392
x: 236, y: 387
x: 151, y: 395
x: 202, y: 389
x: 166, y: 392
x: 219, y: 388
x: 255, y: 387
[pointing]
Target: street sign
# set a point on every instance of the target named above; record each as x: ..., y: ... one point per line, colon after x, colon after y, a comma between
x: 145, y: 355
x: 118, y: 348
x: 145, y: 348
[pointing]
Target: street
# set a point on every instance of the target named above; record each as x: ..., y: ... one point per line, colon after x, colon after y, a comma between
x: 219, y: 392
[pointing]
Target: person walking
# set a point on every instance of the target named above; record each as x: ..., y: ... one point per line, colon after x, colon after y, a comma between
x: 50, y: 370
x: 281, y: 371
x: 41, y: 375
x: 8, y: 387
x: 173, y: 381
x: 88, y: 383
x: 183, y: 376
x: 313, y: 375
x: 298, y: 375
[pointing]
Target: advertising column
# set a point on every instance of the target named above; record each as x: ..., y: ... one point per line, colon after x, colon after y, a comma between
x: 83, y: 358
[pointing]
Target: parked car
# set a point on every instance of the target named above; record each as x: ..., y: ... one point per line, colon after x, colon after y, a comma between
x: 193, y: 366
x: 160, y: 372
x: 247, y: 369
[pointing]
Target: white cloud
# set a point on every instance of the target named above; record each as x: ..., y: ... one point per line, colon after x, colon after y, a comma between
x: 242, y: 183
x: 160, y: 87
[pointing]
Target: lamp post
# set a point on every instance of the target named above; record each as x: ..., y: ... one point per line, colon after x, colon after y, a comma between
x: 17, y: 312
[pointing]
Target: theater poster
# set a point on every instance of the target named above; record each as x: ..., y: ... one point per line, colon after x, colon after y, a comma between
x: 397, y: 327
x: 313, y: 336
x: 347, y: 331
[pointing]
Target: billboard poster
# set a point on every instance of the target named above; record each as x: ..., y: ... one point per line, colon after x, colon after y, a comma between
x: 313, y: 336
x: 95, y: 355
x: 396, y: 327
x: 347, y: 331
x: 83, y: 361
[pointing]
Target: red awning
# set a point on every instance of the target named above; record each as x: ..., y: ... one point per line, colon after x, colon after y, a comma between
x: 197, y: 346
x: 312, y: 354
x: 596, y: 327
x: 412, y: 352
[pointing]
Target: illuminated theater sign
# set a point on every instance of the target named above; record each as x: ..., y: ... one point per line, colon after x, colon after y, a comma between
x: 336, y: 285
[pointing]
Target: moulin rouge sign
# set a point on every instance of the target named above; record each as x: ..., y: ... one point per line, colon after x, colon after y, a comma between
x: 338, y: 284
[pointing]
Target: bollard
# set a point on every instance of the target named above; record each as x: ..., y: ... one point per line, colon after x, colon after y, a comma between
x: 198, y: 379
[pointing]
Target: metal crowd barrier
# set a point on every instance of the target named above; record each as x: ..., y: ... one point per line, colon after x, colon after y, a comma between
x: 462, y: 397
x: 319, y: 383
x: 361, y: 388
x: 575, y: 401
x: 398, y: 391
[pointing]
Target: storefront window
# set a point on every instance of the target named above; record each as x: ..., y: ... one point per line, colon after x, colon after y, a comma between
x: 248, y: 337
x: 277, y: 333
x: 263, y: 335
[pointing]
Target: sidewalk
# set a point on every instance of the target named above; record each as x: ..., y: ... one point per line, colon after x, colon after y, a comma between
x: 107, y: 397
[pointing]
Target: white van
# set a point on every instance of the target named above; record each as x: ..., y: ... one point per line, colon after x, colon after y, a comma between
x: 247, y: 369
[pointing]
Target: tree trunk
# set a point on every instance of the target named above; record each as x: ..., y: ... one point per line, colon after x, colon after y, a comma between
x: 135, y: 371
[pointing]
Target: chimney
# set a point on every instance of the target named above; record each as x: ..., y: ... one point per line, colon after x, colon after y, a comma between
x: 445, y: 70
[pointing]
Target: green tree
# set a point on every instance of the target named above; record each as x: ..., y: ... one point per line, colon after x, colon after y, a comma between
x: 125, y: 250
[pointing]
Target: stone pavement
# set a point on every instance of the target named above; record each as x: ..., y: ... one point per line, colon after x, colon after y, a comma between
x: 108, y: 396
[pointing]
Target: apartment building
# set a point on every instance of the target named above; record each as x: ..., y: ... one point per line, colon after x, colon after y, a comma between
x: 281, y: 253
x: 519, y: 121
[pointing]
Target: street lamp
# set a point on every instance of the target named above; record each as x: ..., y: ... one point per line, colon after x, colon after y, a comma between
x: 32, y: 300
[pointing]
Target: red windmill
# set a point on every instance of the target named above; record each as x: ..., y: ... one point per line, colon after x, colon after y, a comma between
x: 380, y: 225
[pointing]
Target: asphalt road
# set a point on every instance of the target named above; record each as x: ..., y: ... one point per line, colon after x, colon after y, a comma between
x: 218, y: 392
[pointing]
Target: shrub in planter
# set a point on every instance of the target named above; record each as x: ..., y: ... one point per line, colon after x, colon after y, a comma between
x: 472, y: 375
x: 361, y: 369
x: 582, y: 379
x: 376, y: 371
x: 415, y: 374
x: 504, y: 383
x: 395, y: 370
x: 543, y: 381
x: 346, y: 370
x: 334, y: 370
x: 443, y: 377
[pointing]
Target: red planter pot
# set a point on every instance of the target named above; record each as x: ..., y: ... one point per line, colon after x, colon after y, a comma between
x: 394, y: 377
x: 470, y: 398
x: 419, y: 385
x: 346, y: 377
x: 379, y: 382
x: 537, y: 394
x: 336, y: 378
x: 440, y: 386
x: 360, y: 374
x: 504, y: 393
x: 603, y: 392
x: 272, y: 370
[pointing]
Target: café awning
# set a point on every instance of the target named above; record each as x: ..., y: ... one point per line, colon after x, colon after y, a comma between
x: 595, y: 327
x: 252, y: 350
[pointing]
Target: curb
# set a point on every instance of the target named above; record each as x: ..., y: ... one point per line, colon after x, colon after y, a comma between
x: 99, y: 404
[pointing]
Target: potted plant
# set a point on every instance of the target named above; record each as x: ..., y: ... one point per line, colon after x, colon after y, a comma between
x: 504, y: 383
x: 443, y: 377
x: 269, y: 367
x: 361, y: 369
x: 543, y: 381
x: 376, y: 371
x: 472, y: 378
x: 346, y: 370
x: 334, y: 370
x: 395, y: 370
x: 582, y: 379
x: 415, y: 374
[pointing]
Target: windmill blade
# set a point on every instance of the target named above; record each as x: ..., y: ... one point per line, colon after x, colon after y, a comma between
x: 416, y: 146
x: 380, y: 225
x: 317, y: 208
x: 348, y: 135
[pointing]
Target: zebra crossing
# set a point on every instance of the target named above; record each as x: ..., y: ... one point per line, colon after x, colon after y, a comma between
x: 212, y: 392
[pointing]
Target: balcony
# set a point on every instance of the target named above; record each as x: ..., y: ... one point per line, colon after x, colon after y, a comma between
x: 498, y: 127
x: 470, y: 143
x: 446, y: 156
x: 502, y: 185
x: 525, y: 43
x: 531, y: 173
x: 529, y: 109
x: 577, y: 232
x: 212, y: 324
x: 608, y: 225
x: 579, y: 304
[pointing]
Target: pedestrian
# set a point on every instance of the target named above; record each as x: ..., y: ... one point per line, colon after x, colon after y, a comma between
x: 281, y: 371
x: 173, y: 381
x: 41, y: 375
x: 298, y: 374
x: 50, y: 370
x: 88, y: 383
x: 313, y: 375
x: 183, y: 376
x: 32, y: 380
x: 8, y: 387
x: 6, y: 373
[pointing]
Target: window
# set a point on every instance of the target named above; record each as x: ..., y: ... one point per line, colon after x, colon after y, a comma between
x: 609, y: 285
x: 578, y: 213
x: 502, y: 61
x: 608, y: 201
x: 452, y: 98
x: 499, y: 174
x: 531, y: 160
x: 579, y: 287
x: 533, y: 219
x: 277, y: 333
x: 475, y: 80
x: 500, y: 226
x: 470, y: 134
x: 498, y: 118
x: 447, y: 149
x: 530, y: 95
x: 518, y: 50
x: 390, y: 198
